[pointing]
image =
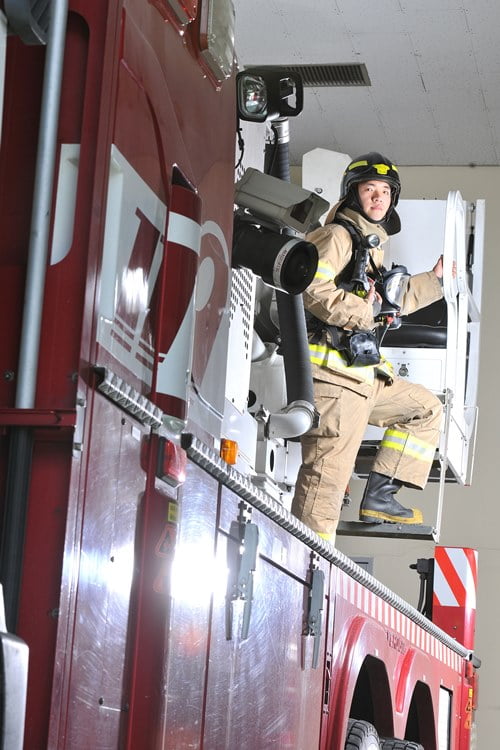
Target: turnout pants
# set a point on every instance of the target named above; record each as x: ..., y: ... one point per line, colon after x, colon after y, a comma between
x: 411, y: 415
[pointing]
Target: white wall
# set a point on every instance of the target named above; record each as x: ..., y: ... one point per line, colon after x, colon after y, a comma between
x: 471, y: 514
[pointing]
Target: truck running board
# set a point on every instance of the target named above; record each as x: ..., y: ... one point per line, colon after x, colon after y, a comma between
x: 393, y: 530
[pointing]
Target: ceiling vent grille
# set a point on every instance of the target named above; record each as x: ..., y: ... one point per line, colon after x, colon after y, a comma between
x: 333, y: 74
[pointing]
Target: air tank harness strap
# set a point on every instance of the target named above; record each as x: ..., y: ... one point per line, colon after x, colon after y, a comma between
x: 353, y: 277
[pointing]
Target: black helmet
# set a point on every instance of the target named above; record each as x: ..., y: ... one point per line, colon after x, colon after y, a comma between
x: 373, y: 166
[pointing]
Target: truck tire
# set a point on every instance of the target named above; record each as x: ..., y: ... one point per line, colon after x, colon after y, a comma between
x: 361, y: 736
x: 390, y: 743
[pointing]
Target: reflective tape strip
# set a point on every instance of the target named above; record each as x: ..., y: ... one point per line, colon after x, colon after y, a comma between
x: 455, y: 577
x: 327, y: 537
x: 324, y: 271
x: 381, y: 169
x: 386, y: 367
x: 408, y: 445
x: 402, y: 629
x: 332, y: 359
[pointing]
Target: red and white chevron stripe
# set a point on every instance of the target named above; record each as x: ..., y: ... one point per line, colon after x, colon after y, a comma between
x: 455, y: 577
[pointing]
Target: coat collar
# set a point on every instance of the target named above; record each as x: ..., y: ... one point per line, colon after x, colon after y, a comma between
x: 366, y: 227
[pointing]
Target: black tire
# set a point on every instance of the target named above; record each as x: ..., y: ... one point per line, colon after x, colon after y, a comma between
x: 388, y: 743
x: 361, y: 736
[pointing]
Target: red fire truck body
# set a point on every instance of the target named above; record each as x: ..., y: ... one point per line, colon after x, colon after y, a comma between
x: 166, y: 600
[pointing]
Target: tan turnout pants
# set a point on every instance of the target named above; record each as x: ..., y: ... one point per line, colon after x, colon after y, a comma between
x: 411, y: 415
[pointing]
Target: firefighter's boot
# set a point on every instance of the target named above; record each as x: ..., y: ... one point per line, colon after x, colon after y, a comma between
x: 379, y: 504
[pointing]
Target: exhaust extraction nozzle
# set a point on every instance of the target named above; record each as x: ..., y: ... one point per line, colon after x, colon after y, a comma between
x: 284, y: 262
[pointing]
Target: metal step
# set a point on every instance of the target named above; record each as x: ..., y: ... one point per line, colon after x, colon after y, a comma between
x: 389, y: 530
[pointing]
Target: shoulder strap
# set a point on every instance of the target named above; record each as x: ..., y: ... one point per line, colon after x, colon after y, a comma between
x: 357, y: 242
x: 345, y: 275
x: 355, y: 233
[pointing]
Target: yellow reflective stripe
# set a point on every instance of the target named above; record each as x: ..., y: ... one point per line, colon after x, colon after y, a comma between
x: 398, y: 434
x: 326, y: 537
x: 319, y: 354
x: 383, y: 168
x: 323, y: 356
x: 385, y: 366
x: 355, y: 164
x: 324, y: 271
x: 408, y: 444
x: 379, y: 168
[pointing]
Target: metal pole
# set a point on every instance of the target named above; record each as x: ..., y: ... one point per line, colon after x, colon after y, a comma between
x: 42, y: 203
x: 21, y: 438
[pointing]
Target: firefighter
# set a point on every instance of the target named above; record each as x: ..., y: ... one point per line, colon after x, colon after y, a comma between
x: 353, y: 385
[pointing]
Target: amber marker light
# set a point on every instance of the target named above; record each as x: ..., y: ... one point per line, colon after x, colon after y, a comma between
x: 229, y: 451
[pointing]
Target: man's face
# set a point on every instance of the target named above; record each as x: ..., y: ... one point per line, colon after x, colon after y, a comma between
x: 375, y: 198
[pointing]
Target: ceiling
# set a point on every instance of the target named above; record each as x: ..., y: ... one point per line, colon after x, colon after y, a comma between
x: 434, y: 68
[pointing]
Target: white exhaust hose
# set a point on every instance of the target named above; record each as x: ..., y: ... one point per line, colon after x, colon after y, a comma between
x: 259, y: 349
x: 294, y: 420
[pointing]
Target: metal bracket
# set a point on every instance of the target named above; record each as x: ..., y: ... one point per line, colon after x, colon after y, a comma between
x: 242, y: 561
x: 314, y: 620
x: 81, y: 406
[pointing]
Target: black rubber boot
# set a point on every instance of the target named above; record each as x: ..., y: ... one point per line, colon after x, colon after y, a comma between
x: 379, y: 504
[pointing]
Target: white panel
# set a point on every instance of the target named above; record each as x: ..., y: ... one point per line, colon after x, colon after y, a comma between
x: 322, y: 172
x: 421, y: 240
x: 239, y: 348
x: 444, y: 719
x: 424, y: 366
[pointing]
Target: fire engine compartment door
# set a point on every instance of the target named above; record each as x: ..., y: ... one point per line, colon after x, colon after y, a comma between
x: 95, y: 619
x: 258, y: 694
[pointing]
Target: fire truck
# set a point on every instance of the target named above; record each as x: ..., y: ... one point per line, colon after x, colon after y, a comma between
x: 157, y: 591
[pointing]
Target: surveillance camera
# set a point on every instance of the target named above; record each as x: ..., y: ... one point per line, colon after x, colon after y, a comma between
x: 272, y: 202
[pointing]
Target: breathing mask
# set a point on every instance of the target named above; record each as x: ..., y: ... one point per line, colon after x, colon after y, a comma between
x: 392, y: 286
